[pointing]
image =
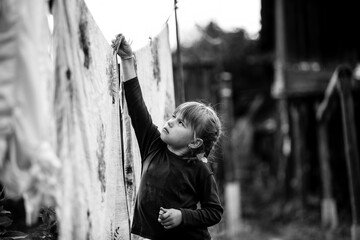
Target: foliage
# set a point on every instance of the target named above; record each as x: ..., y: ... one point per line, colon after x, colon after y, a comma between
x: 234, y: 52
x: 46, y: 229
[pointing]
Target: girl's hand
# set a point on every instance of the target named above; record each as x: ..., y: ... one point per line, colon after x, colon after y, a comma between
x: 122, y: 47
x: 169, y: 218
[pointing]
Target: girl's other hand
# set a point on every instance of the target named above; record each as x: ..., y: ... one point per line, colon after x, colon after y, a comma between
x: 169, y: 218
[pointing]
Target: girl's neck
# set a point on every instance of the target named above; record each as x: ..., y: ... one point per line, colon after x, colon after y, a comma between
x: 178, y: 152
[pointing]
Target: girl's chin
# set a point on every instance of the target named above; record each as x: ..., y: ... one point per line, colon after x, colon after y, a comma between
x: 164, y: 139
x: 162, y: 136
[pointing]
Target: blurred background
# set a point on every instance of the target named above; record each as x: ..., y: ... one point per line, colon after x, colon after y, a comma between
x: 289, y: 98
x: 285, y: 77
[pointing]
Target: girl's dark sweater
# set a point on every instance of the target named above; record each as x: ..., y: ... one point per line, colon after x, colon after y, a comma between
x: 169, y: 181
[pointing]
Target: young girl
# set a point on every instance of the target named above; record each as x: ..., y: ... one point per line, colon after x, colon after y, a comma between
x: 175, y: 177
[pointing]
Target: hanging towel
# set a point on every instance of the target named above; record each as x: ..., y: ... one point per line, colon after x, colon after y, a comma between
x: 93, y: 202
x: 29, y: 166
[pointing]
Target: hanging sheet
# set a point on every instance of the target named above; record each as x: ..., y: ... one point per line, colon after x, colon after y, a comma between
x: 93, y: 199
x: 63, y: 140
x: 29, y: 167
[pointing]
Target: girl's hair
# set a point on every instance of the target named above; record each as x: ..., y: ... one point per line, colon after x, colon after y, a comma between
x: 205, y: 122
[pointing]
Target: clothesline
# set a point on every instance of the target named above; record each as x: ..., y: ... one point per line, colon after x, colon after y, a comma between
x: 145, y: 40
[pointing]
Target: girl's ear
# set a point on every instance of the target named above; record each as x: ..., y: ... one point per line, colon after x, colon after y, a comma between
x: 196, y: 143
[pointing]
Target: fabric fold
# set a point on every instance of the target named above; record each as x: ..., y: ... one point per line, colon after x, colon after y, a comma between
x: 29, y: 166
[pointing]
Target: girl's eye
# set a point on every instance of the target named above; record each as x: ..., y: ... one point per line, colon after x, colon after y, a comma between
x: 181, y: 122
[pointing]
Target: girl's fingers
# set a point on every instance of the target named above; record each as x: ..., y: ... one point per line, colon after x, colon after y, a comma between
x: 167, y: 226
x: 166, y: 222
x: 162, y: 210
x: 166, y: 211
x: 119, y: 36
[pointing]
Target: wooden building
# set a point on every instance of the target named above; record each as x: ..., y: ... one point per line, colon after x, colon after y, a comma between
x: 316, y: 49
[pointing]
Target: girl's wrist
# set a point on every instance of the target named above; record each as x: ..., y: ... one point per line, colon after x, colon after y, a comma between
x: 128, y: 66
x: 128, y: 57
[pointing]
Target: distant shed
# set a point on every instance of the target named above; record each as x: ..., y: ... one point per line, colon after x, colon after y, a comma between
x: 318, y: 36
x: 311, y: 41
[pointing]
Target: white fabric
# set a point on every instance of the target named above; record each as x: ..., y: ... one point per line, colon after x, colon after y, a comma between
x: 28, y: 163
x: 60, y: 129
x: 93, y: 201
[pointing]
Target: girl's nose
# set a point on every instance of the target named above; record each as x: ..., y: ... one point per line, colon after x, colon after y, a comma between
x: 170, y: 123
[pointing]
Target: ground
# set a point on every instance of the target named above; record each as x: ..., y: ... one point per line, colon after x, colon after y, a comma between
x: 266, y: 223
x: 258, y: 230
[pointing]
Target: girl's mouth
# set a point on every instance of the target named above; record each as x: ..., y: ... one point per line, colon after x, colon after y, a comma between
x: 165, y: 130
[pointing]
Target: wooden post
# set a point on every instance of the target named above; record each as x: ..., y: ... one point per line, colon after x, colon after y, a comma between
x: 351, y: 151
x: 179, y: 80
x: 278, y: 92
x: 329, y: 218
x: 227, y: 115
x: 298, y: 150
x: 232, y: 183
x: 280, y: 50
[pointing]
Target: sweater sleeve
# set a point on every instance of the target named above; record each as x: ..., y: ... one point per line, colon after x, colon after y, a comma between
x: 211, y: 210
x: 141, y: 120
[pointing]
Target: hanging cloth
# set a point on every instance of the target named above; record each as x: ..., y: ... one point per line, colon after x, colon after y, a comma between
x: 29, y: 166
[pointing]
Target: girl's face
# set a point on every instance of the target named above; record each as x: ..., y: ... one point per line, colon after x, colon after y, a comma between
x: 177, y: 134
